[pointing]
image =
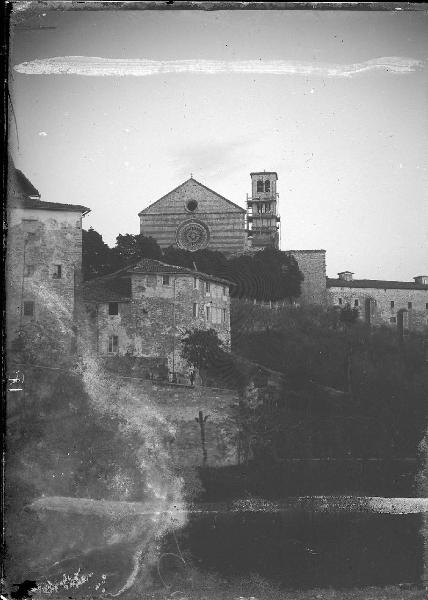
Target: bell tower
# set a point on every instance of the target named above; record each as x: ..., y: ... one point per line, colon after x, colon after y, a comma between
x: 262, y: 211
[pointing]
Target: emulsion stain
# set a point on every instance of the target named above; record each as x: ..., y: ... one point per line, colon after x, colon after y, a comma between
x: 23, y: 589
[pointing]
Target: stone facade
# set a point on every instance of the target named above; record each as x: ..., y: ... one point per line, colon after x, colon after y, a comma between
x: 153, y: 304
x: 193, y: 217
x: 312, y: 265
x: 262, y: 211
x: 44, y: 258
x: 180, y: 405
x: 395, y: 303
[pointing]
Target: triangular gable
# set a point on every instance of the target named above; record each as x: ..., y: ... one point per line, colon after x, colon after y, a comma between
x: 165, y: 197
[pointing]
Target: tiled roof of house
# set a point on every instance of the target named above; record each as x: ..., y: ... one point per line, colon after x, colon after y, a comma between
x: 21, y: 193
x: 376, y: 284
x: 149, y: 265
x: 35, y: 203
x: 116, y: 287
x: 22, y: 184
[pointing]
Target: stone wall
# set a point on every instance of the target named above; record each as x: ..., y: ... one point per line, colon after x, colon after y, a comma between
x: 154, y: 321
x: 180, y: 405
x: 312, y: 265
x: 382, y: 311
x: 225, y: 221
x: 38, y: 241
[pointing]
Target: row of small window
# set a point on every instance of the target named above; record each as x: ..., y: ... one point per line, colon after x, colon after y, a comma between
x: 29, y: 271
x: 263, y: 187
x: 213, y: 314
x: 166, y: 280
x: 356, y: 302
x: 392, y: 304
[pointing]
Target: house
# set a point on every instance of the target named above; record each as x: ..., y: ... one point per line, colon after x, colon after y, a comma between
x: 145, y: 308
x: 44, y: 257
x: 401, y: 304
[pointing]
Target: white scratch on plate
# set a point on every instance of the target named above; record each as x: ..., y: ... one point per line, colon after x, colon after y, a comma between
x: 136, y: 67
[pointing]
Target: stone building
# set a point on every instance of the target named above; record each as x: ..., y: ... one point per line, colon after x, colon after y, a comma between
x: 194, y: 217
x: 312, y: 265
x: 262, y: 212
x: 397, y: 303
x: 44, y: 257
x: 144, y: 310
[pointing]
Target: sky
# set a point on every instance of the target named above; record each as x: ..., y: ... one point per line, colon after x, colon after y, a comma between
x: 336, y: 102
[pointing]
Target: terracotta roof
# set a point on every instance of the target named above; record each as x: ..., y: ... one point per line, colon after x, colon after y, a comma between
x: 35, y: 203
x: 21, y: 193
x: 376, y: 283
x: 149, y: 265
x: 21, y: 184
x: 184, y: 183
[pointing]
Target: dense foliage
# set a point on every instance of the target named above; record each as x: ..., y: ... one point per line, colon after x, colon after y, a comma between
x: 267, y: 275
x: 349, y: 391
x: 204, y: 350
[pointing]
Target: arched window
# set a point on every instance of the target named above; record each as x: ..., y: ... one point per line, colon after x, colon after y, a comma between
x: 267, y: 185
x: 260, y: 185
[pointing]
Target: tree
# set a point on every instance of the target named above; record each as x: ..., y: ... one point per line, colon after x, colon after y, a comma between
x: 132, y: 247
x: 97, y: 258
x: 204, y: 350
x: 201, y: 347
x: 266, y: 275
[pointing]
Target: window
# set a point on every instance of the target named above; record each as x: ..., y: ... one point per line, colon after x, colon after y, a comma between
x: 113, y: 344
x: 57, y: 273
x: 165, y: 279
x: 267, y: 185
x: 195, y: 310
x: 29, y: 270
x: 29, y: 309
x: 393, y: 320
x: 208, y: 312
x: 426, y: 305
x: 356, y: 302
x: 260, y: 185
x: 340, y: 301
x: 224, y: 290
x: 207, y: 287
x: 195, y: 283
x: 224, y: 315
x: 409, y: 305
x: 113, y: 308
x: 392, y: 303
x: 192, y: 205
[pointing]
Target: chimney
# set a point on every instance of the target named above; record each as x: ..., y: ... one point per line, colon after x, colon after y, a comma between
x: 345, y: 275
x: 422, y: 279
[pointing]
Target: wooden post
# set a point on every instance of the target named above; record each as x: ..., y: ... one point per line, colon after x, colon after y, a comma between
x: 202, y: 420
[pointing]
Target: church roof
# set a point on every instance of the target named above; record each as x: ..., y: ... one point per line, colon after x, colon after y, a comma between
x: 201, y: 185
x: 376, y: 284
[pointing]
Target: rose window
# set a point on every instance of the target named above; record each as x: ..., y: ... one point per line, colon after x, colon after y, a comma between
x: 192, y: 236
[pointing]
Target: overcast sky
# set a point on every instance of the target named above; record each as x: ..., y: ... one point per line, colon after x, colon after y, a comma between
x: 335, y: 101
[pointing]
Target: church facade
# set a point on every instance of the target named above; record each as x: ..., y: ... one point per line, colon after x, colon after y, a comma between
x: 194, y: 217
